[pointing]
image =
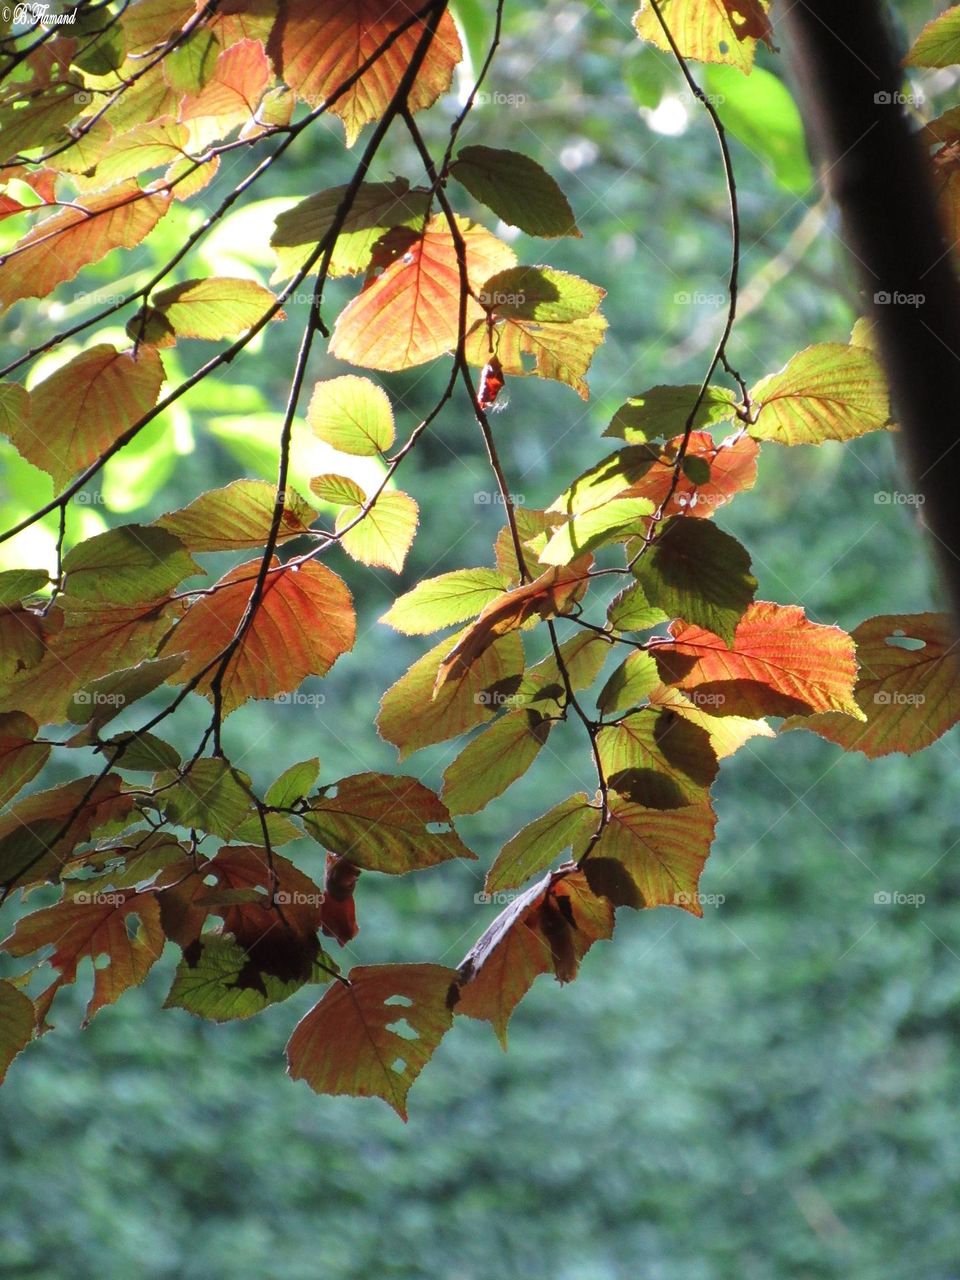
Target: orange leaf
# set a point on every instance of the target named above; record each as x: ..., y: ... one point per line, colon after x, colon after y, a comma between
x: 231, y: 96
x: 547, y: 929
x: 409, y: 314
x: 733, y: 467
x: 780, y: 664
x: 57, y: 248
x: 317, y: 47
x: 304, y: 622
x: 555, y: 591
x: 349, y: 1042
x: 88, y: 925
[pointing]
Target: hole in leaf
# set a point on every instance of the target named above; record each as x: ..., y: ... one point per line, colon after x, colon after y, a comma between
x: 132, y: 923
x: 102, y: 961
x: 899, y: 640
x: 398, y: 1066
x: 211, y: 880
x: 403, y: 1029
x: 402, y: 1000
x: 438, y: 828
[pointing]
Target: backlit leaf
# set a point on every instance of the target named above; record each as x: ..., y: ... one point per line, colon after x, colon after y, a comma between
x: 518, y: 190
x: 293, y: 784
x: 440, y: 602
x: 128, y: 565
x: 213, y: 308
x: 938, y: 44
x: 218, y: 984
x: 17, y: 1021
x: 664, y: 410
x: 237, y: 517
x: 615, y: 521
x: 352, y: 414
x: 21, y: 758
x: 493, y: 760
x: 629, y: 684
x: 708, y: 30
x: 827, y: 392
x: 209, y: 796
x: 385, y: 533
x: 658, y: 759
x: 568, y: 825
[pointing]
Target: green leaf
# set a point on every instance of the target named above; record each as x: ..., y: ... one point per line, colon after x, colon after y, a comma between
x: 17, y: 1023
x: 341, y: 491
x: 411, y: 717
x: 237, y: 517
x: 568, y: 825
x: 697, y: 572
x: 128, y: 565
x: 377, y: 207
x: 21, y: 758
x: 385, y: 533
x: 441, y: 602
x: 616, y: 521
x: 606, y: 480
x: 543, y: 688
x: 293, y: 784
x: 383, y: 822
x: 517, y: 189
x: 352, y: 414
x: 493, y: 761
x: 218, y: 982
x: 938, y: 44
x: 209, y: 798
x: 101, y: 700
x: 540, y: 293
x: 629, y: 684
x: 144, y: 752
x: 213, y: 308
x: 657, y: 759
x: 827, y: 392
x: 632, y: 611
x: 16, y: 584
x: 759, y: 110
x: 664, y: 410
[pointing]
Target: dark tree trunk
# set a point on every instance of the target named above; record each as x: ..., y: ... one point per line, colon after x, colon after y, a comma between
x: 850, y: 81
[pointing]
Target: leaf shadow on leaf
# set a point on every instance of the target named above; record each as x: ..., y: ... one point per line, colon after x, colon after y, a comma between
x: 609, y: 878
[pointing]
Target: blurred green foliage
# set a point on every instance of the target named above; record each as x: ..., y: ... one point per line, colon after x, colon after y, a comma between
x: 768, y: 1092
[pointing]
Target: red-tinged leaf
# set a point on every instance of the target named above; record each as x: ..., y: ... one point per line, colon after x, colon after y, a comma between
x: 78, y: 645
x: 315, y: 49
x: 373, y: 1035
x: 384, y: 823
x: 938, y: 44
x: 727, y: 733
x: 658, y: 759
x: 237, y: 517
x: 652, y: 857
x: 409, y: 314
x: 699, y: 573
x: 568, y: 825
x: 780, y: 664
x: 377, y: 208
x: 17, y: 1023
x: 553, y: 593
x: 731, y: 467
x: 303, y: 623
x: 132, y: 564
x: 21, y: 757
x: 267, y: 906
x: 411, y: 717
x: 121, y: 924
x: 383, y: 535
x: 214, y: 308
x: 352, y: 415
x: 338, y: 912
x: 908, y: 688
x: 185, y: 179
x: 57, y: 248
x: 82, y: 408
x: 493, y: 761
x: 547, y: 929
x: 708, y: 30
x: 441, y: 602
x: 827, y: 392
x: 231, y: 95
x: 543, y: 348
x: 518, y: 190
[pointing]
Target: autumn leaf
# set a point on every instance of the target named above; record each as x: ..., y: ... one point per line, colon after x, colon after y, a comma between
x: 132, y: 564
x: 98, y: 702
x: 568, y: 825
x: 316, y: 50
x: 384, y: 823
x: 83, y: 407
x: 338, y: 912
x: 219, y: 983
x: 658, y: 759
x: 372, y: 1035
x: 708, y: 30
x: 543, y: 688
x: 213, y: 308
x: 629, y: 683
x: 554, y: 592
x: 727, y: 734
x: 293, y: 784
x: 122, y: 925
x: 561, y: 351
x: 230, y: 97
x: 907, y: 689
x: 652, y: 857
x: 827, y: 392
x: 56, y: 249
x: 21, y: 756
x: 304, y: 622
x: 409, y: 314
x: 547, y: 929
x: 17, y: 1023
x: 412, y: 715
x: 616, y: 521
x: 710, y: 476
x: 780, y: 664
x: 237, y: 517
x: 518, y: 190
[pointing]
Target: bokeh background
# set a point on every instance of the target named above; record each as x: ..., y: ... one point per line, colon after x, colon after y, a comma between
x: 768, y: 1092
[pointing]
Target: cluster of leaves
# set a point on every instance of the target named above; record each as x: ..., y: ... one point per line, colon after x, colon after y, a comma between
x: 105, y: 123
